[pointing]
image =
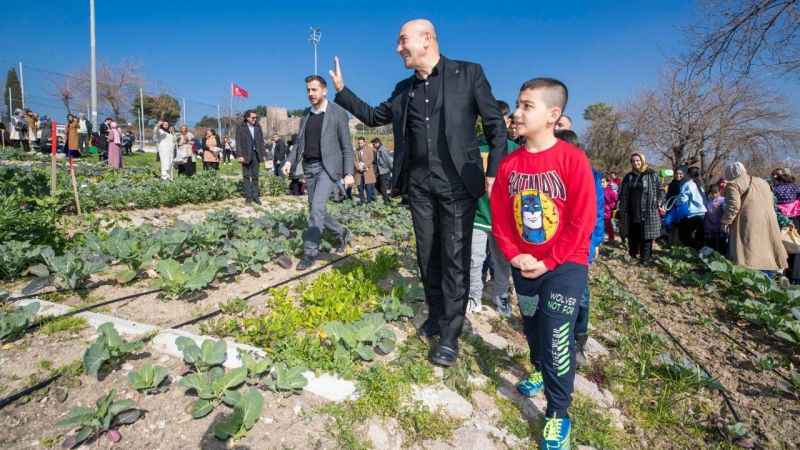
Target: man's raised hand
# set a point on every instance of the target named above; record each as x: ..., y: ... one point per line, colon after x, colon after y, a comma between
x: 336, y: 75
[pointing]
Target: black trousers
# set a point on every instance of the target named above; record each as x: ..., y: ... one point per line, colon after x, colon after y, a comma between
x: 384, y: 185
x: 443, y: 230
x: 210, y: 165
x: 637, y: 245
x: 690, y: 232
x: 250, y: 180
x: 187, y: 169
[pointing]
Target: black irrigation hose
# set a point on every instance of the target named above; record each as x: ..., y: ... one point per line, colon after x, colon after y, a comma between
x: 44, y: 383
x: 218, y: 311
x: 28, y: 390
x: 723, y: 391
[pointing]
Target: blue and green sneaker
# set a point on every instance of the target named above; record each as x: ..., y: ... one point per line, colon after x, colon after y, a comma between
x: 555, y: 435
x: 531, y: 385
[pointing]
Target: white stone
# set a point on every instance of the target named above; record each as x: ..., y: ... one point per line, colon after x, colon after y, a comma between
x: 585, y: 447
x: 443, y: 398
x: 438, y: 372
x: 480, y: 380
x: 330, y: 387
x: 495, y: 340
x: 466, y: 439
x: 384, y: 434
x: 268, y: 420
x: 589, y: 389
x: 595, y: 349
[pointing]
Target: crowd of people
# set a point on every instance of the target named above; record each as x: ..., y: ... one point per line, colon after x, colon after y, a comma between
x: 521, y: 209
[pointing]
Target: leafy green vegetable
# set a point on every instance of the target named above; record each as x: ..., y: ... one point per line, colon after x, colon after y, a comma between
x: 13, y: 324
x: 214, y: 387
x: 361, y: 336
x: 250, y: 255
x: 108, y: 348
x: 246, y: 413
x: 108, y: 414
x: 393, y: 307
x: 73, y: 268
x: 283, y: 378
x: 211, y: 354
x: 256, y: 367
x: 16, y: 256
x: 194, y: 274
x: 149, y: 379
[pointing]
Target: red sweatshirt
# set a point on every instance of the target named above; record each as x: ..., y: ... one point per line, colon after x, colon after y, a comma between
x: 544, y: 204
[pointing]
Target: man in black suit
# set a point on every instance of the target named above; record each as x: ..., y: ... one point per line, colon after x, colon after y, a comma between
x: 250, y: 151
x: 279, y: 153
x: 438, y: 165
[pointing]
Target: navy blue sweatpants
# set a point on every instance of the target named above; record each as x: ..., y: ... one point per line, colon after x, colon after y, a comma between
x: 549, y: 306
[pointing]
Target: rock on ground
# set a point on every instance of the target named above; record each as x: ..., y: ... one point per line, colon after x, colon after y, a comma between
x: 440, y: 397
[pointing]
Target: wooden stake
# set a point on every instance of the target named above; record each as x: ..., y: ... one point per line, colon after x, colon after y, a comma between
x: 74, y: 185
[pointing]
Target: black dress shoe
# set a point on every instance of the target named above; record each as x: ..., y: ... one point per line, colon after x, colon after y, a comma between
x: 429, y: 329
x: 344, y: 241
x: 305, y: 263
x: 444, y: 356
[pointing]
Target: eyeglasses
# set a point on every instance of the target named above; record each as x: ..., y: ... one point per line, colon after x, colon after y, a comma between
x: 252, y: 118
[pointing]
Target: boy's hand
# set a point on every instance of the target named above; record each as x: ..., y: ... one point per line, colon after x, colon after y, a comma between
x: 524, y: 262
x: 538, y: 270
x: 489, y: 184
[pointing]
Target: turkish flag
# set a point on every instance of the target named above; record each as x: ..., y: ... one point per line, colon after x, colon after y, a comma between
x: 238, y: 91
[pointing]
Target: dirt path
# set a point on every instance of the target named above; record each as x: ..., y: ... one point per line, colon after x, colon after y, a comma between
x: 772, y: 413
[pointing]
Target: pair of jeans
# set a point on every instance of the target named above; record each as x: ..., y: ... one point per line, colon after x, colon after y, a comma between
x: 443, y: 221
x: 319, y: 186
x: 366, y: 192
x: 549, y: 306
x: 483, y: 242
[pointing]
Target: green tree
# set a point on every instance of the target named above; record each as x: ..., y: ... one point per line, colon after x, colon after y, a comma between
x: 296, y: 112
x: 162, y: 107
x: 207, y: 122
x: 12, y: 82
x: 606, y: 142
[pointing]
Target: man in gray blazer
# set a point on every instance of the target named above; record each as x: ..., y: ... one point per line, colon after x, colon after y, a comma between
x: 324, y: 145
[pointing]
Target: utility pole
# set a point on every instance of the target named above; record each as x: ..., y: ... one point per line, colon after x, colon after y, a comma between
x: 183, y: 115
x: 141, y: 118
x: 314, y: 38
x: 93, y: 80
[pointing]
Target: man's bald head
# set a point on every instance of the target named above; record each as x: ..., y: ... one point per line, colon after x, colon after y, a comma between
x: 417, y: 44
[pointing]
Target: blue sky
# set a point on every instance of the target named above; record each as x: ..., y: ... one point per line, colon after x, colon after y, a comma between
x: 604, y: 50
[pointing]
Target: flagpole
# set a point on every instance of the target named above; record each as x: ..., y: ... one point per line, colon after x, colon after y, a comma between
x: 231, y: 118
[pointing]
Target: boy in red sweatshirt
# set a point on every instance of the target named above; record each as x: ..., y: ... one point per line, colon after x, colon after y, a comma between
x: 543, y: 212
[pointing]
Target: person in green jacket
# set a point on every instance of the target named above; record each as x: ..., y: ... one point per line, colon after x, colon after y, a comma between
x: 482, y: 241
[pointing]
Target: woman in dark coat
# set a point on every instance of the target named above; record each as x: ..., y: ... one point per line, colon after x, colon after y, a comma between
x: 639, y: 208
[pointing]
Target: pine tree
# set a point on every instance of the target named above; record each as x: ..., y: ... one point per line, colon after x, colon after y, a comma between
x: 12, y: 82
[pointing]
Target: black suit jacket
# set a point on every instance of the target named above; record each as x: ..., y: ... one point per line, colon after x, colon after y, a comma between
x: 280, y: 153
x: 466, y: 95
x: 244, y: 143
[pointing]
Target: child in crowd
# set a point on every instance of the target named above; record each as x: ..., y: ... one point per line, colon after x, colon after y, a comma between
x: 610, y: 197
x: 482, y: 239
x: 543, y: 212
x: 712, y: 228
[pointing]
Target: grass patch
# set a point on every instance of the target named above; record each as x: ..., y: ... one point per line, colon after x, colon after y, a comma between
x: 70, y: 324
x: 419, y: 424
x: 592, y: 427
x: 511, y: 418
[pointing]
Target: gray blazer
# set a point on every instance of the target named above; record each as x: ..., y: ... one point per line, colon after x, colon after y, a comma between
x: 336, y: 147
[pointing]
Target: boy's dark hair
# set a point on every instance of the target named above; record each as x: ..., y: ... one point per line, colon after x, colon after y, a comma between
x: 693, y: 172
x: 376, y: 141
x: 317, y: 78
x: 569, y: 136
x: 556, y: 93
x: 361, y: 138
x: 714, y: 189
x: 505, y: 110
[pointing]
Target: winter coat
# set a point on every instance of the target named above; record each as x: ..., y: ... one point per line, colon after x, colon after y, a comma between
x: 691, y: 194
x: 384, y: 161
x: 596, y: 238
x: 610, y: 197
x: 368, y: 160
x: 652, y: 198
x: 72, y: 135
x: 755, y: 239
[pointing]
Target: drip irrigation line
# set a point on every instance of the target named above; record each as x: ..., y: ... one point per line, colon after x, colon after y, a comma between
x: 28, y: 390
x: 724, y: 390
x: 46, y: 382
x: 218, y: 311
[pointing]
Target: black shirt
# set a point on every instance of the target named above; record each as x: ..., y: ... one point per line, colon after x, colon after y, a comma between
x: 431, y: 164
x: 635, y: 199
x: 313, y: 150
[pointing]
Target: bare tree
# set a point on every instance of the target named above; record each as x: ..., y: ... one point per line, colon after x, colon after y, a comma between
x: 690, y: 120
x: 740, y: 34
x: 117, y: 86
x: 608, y: 144
x: 65, y: 89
